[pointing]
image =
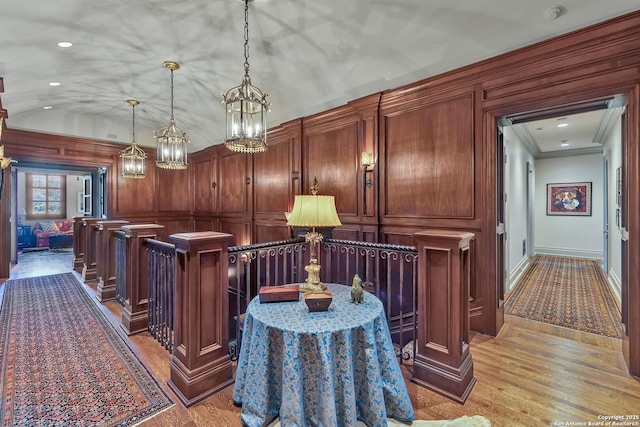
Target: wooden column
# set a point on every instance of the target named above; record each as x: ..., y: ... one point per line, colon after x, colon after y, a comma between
x: 134, y: 314
x: 443, y: 361
x: 89, y: 270
x: 78, y: 244
x: 106, y: 259
x: 201, y: 365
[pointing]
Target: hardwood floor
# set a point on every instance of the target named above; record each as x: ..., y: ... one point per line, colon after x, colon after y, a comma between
x: 532, y: 374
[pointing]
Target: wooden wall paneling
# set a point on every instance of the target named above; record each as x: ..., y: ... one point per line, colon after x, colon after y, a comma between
x: 271, y: 232
x: 272, y: 179
x: 5, y: 225
x: 204, y: 181
x: 331, y: 157
x: 202, y: 223
x: 332, y: 143
x: 631, y: 222
x: 174, y: 226
x: 174, y: 190
x: 276, y: 180
x: 428, y: 163
x: 239, y: 226
x: 368, y: 108
x: 135, y: 195
x: 234, y: 182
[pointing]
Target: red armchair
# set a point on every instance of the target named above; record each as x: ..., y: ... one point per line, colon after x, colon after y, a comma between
x: 44, y: 229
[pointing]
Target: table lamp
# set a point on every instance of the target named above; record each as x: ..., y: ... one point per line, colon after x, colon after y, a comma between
x: 313, y: 211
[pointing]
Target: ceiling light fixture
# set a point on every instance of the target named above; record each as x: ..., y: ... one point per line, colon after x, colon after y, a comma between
x: 133, y: 158
x: 172, y: 141
x: 65, y: 44
x: 561, y: 125
x: 247, y: 108
x: 48, y: 107
x: 54, y: 84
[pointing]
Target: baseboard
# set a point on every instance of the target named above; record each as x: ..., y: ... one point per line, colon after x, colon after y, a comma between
x: 616, y: 285
x: 515, y: 274
x: 570, y: 252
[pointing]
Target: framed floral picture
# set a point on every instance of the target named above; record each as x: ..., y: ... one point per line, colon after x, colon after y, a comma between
x: 572, y: 199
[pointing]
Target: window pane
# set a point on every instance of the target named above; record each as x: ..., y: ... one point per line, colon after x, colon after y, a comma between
x: 39, y: 180
x: 55, y: 181
x: 39, y: 208
x: 39, y: 195
x: 54, y: 195
x: 55, y: 208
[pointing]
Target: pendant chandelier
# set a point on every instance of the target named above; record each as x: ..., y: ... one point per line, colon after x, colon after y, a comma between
x: 172, y: 141
x: 133, y: 158
x: 246, y: 108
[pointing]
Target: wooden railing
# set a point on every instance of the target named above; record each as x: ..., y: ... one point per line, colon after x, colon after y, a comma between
x: 425, y: 293
x: 121, y: 266
x: 390, y: 272
x: 162, y: 281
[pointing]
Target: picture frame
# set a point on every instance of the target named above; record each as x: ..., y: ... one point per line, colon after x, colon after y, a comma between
x: 569, y: 199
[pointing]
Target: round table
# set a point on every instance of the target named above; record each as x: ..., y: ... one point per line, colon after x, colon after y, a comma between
x: 332, y: 367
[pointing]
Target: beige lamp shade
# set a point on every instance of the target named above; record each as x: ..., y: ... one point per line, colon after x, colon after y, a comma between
x: 314, y: 211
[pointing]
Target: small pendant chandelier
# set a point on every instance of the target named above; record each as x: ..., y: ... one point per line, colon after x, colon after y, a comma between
x: 133, y: 158
x: 246, y: 107
x: 172, y: 141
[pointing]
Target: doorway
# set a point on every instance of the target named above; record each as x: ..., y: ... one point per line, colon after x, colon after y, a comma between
x: 564, y: 147
x: 46, y: 195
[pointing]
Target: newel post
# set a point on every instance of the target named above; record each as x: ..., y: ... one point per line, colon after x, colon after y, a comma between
x: 443, y: 361
x: 89, y: 270
x: 201, y: 364
x: 106, y: 259
x: 78, y: 244
x: 135, y: 317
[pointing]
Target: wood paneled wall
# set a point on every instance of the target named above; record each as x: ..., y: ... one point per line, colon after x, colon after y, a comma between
x: 160, y: 197
x: 435, y: 147
x: 435, y: 150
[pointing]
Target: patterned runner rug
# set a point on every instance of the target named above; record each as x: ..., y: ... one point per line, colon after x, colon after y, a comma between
x: 62, y: 362
x: 568, y: 292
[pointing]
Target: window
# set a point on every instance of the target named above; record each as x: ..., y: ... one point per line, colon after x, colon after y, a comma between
x: 46, y: 196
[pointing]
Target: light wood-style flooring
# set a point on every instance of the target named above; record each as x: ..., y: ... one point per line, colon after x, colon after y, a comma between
x: 532, y: 374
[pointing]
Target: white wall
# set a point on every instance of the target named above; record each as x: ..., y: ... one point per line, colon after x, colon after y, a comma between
x: 576, y: 236
x: 515, y: 176
x: 613, y: 145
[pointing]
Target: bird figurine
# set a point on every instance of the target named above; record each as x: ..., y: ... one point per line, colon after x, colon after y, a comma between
x: 357, y: 292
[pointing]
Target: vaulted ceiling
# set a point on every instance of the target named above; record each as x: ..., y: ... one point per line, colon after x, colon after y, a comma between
x: 308, y: 56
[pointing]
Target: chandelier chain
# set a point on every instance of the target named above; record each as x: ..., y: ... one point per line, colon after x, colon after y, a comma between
x: 133, y: 121
x: 171, y: 94
x: 246, y: 37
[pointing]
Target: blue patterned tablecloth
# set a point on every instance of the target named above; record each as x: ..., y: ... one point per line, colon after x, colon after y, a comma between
x: 329, y: 368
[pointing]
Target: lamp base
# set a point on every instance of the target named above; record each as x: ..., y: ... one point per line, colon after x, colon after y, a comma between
x: 313, y: 282
x: 318, y: 300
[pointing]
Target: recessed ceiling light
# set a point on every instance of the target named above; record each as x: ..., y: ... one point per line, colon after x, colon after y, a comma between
x: 48, y: 107
x: 54, y: 84
x: 65, y: 44
x: 561, y: 125
x: 564, y: 144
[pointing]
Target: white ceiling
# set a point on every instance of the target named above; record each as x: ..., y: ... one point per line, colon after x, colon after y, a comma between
x: 307, y: 55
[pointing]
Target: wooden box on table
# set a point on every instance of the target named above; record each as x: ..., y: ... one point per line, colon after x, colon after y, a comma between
x: 279, y: 293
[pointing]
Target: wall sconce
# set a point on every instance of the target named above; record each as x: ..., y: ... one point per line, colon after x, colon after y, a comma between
x: 368, y: 164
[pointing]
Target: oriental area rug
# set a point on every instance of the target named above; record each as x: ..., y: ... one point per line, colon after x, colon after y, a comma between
x: 63, y: 364
x: 569, y: 292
